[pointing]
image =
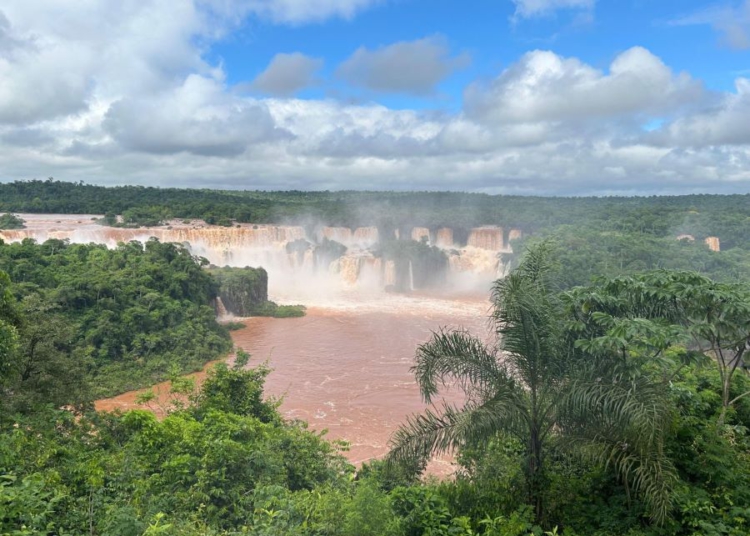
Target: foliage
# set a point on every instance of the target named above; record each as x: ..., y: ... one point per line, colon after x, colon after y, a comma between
x: 121, y: 318
x: 143, y: 217
x: 543, y: 390
x: 244, y: 292
x: 416, y: 263
x: 201, y: 466
x: 677, y: 307
x: 584, y: 253
x: 327, y: 251
x: 275, y: 310
x: 8, y: 328
x: 48, y: 366
x: 234, y: 326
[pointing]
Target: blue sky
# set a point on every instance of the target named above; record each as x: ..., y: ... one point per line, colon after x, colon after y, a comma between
x: 488, y: 32
x: 564, y: 97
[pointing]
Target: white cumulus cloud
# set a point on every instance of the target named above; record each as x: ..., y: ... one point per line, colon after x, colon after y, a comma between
x: 543, y: 86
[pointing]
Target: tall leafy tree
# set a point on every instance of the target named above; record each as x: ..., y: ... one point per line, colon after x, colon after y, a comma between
x: 48, y: 367
x: 8, y: 332
x: 536, y: 383
x: 712, y: 318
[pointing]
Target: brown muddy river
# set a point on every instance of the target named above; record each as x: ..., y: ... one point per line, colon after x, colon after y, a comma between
x: 345, y: 368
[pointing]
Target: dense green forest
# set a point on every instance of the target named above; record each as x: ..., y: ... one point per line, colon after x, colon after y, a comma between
x: 121, y: 318
x: 618, y: 409
x: 586, y: 252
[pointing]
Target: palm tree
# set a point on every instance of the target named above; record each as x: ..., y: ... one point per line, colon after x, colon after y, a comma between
x: 537, y: 384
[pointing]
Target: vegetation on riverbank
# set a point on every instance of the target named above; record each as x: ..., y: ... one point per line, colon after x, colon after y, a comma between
x: 417, y: 264
x: 115, y: 319
x: 614, y: 415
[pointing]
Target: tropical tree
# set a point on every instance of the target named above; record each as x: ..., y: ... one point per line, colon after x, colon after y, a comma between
x: 8, y: 331
x: 713, y: 318
x: 536, y: 383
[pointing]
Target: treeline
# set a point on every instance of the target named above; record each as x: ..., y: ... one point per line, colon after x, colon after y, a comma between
x: 617, y: 409
x: 584, y: 253
x: 727, y: 217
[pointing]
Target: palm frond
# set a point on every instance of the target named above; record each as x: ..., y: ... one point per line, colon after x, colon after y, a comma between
x: 528, y: 325
x: 648, y: 470
x: 622, y: 425
x: 433, y: 432
x: 455, y: 354
x: 606, y: 406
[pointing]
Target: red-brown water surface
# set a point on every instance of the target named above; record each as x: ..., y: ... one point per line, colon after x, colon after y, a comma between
x: 345, y: 368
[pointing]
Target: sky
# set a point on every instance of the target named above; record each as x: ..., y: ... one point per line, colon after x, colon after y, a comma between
x: 532, y: 97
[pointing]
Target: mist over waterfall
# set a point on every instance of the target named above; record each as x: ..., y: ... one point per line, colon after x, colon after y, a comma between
x: 314, y: 260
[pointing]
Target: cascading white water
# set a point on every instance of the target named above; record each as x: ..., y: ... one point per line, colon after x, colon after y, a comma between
x: 288, y: 254
x: 221, y: 310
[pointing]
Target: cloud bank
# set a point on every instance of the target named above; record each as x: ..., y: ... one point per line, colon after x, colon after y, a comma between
x: 128, y: 97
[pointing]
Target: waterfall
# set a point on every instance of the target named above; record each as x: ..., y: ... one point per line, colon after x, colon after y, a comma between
x: 365, y: 237
x: 418, y: 233
x: 488, y: 237
x: 221, y: 311
x: 713, y: 243
x: 389, y: 275
x: 444, y: 238
x: 292, y: 264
